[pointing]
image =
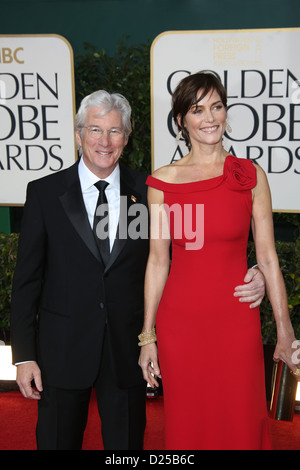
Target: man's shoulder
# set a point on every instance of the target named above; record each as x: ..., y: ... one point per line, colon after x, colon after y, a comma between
x: 133, y: 172
x: 132, y: 177
x: 55, y: 178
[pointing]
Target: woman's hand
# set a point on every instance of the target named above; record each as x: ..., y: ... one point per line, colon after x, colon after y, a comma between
x: 288, y: 350
x: 148, y: 362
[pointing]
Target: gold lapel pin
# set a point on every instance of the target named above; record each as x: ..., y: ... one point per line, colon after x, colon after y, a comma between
x: 133, y: 198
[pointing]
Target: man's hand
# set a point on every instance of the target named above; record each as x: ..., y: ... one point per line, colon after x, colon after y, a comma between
x: 253, y: 291
x: 26, y: 373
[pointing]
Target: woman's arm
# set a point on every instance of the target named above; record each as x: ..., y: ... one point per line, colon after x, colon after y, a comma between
x: 267, y: 259
x: 157, y: 271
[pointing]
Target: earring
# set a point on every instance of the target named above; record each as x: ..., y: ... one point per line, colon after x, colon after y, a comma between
x: 228, y: 128
x: 179, y: 136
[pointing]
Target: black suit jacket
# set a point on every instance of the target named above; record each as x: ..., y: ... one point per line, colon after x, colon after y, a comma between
x: 63, y: 299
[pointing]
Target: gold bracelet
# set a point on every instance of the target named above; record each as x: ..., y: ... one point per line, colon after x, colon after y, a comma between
x: 147, y: 337
x: 297, y: 372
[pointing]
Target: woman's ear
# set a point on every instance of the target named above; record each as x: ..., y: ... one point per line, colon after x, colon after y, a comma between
x: 178, y: 120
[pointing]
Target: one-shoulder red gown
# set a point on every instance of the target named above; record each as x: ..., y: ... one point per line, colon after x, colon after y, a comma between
x: 209, y: 344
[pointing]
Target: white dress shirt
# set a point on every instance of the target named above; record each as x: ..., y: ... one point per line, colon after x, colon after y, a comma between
x: 90, y: 196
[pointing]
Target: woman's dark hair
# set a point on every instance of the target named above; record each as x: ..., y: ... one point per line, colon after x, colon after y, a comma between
x: 185, y: 96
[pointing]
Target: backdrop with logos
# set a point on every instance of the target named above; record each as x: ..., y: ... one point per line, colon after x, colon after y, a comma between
x: 261, y: 72
x: 37, y: 105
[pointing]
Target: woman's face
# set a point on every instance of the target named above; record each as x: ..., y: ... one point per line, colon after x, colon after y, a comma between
x: 206, y: 120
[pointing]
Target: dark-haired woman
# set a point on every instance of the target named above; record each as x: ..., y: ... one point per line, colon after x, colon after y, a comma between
x: 209, y: 345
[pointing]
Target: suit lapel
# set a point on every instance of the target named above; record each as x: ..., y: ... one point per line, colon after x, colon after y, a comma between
x: 73, y: 204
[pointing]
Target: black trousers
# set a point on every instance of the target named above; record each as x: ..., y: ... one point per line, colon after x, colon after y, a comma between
x: 62, y: 414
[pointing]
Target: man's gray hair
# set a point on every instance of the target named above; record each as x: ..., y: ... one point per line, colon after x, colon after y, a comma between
x: 108, y: 102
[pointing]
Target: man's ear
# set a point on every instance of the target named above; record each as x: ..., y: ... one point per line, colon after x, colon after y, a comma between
x: 78, y: 138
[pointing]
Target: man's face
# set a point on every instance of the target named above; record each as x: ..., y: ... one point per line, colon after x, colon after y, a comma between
x: 102, y: 141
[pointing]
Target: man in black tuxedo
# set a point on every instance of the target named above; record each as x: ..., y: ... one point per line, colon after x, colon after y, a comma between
x: 76, y: 312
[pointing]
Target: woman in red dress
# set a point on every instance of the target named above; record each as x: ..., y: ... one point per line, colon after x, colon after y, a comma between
x: 209, y: 343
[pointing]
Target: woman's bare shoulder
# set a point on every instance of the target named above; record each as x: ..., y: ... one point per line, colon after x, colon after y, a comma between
x: 168, y: 173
